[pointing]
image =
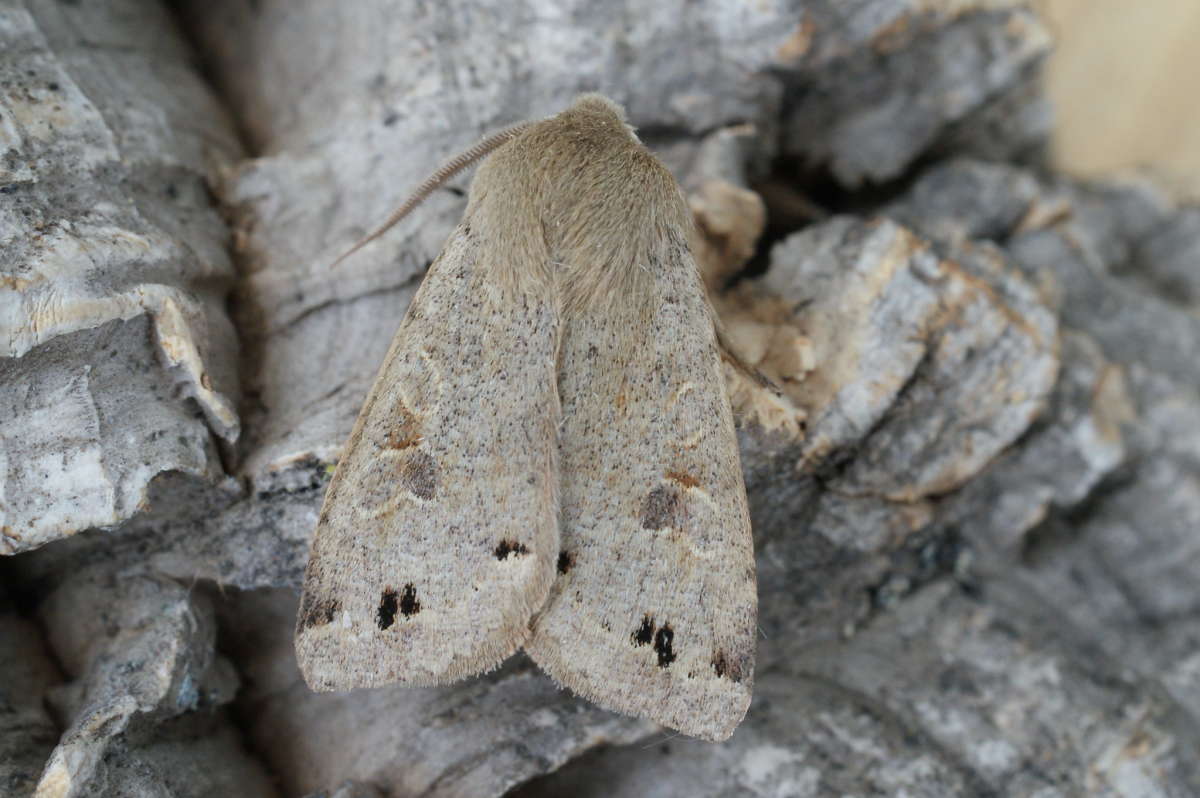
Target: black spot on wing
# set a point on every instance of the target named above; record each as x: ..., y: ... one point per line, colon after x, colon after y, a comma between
x: 409, y: 606
x: 510, y: 547
x: 405, y: 602
x: 565, y: 562
x: 662, y: 645
x: 645, y: 633
x: 385, y: 616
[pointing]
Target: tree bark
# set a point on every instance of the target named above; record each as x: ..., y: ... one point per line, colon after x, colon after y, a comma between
x: 974, y: 497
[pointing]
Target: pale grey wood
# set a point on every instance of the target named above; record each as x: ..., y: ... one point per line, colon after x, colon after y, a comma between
x: 117, y: 356
x: 1012, y: 615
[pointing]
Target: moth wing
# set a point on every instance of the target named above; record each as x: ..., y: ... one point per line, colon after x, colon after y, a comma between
x: 654, y: 610
x: 438, y: 536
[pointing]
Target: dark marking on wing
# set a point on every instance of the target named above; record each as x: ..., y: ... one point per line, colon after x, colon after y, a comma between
x: 409, y: 606
x: 662, y: 508
x: 510, y: 547
x: 662, y: 645
x: 565, y: 562
x: 404, y: 432
x: 390, y: 602
x: 645, y: 633
x: 726, y: 668
x: 385, y: 616
x: 318, y: 612
x: 683, y: 478
x: 419, y: 475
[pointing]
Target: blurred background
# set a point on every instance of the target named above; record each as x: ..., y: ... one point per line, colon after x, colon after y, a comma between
x: 1124, y: 82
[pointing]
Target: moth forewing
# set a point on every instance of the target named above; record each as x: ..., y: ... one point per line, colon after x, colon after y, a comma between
x: 653, y: 612
x: 557, y: 375
x: 438, y: 536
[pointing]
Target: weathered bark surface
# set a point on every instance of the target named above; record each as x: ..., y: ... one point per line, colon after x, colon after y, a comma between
x: 118, y: 359
x: 27, y: 732
x: 975, y: 499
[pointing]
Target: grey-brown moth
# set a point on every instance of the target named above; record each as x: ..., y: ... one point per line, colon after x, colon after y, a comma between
x: 547, y: 458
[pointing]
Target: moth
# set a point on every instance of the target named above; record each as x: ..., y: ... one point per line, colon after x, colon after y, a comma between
x: 547, y: 458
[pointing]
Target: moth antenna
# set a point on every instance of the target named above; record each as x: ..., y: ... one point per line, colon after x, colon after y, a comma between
x: 444, y: 173
x: 730, y: 354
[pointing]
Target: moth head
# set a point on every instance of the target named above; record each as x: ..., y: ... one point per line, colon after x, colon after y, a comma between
x: 597, y: 105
